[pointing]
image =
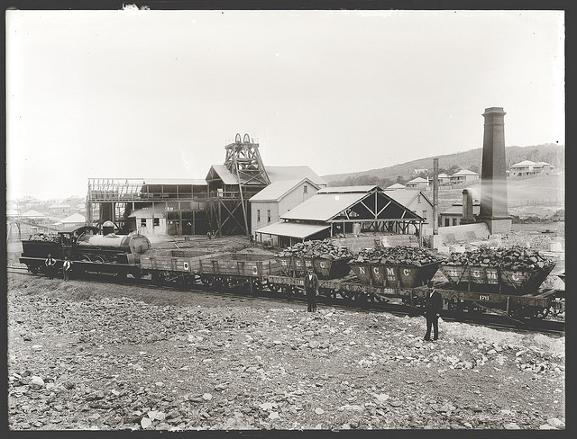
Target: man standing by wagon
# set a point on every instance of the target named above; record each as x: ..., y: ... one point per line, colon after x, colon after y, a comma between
x: 433, y: 308
x: 50, y: 264
x: 66, y: 268
x: 311, y: 289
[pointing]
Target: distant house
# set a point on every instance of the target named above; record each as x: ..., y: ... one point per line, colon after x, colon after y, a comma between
x: 418, y: 171
x: 528, y: 168
x: 442, y: 178
x: 418, y: 183
x: 463, y: 176
x: 267, y: 206
x: 395, y: 186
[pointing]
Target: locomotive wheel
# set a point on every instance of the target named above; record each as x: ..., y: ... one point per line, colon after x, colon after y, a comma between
x: 98, y: 259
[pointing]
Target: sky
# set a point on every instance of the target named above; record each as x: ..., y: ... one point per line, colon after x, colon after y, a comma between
x: 160, y: 93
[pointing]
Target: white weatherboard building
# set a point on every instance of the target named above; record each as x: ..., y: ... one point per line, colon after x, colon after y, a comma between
x: 527, y: 168
x: 267, y: 206
x: 463, y: 176
x: 418, y: 183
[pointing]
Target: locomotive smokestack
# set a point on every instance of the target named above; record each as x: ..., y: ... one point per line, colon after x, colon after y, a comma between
x: 494, y: 210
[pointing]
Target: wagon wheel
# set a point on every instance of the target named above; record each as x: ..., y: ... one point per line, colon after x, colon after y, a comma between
x: 207, y: 280
x: 346, y: 295
x: 85, y: 258
x: 257, y: 285
x: 33, y: 268
x: 157, y: 277
x: 541, y: 313
x: 453, y: 305
x: 98, y: 260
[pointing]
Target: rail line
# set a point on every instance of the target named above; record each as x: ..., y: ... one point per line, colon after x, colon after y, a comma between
x: 496, y: 321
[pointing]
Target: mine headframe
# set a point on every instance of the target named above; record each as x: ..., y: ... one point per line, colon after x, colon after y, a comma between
x: 229, y: 210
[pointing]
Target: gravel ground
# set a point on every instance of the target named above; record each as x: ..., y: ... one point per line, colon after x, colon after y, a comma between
x: 101, y: 356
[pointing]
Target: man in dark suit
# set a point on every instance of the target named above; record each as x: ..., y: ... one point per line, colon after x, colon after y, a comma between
x: 433, y: 308
x: 311, y: 289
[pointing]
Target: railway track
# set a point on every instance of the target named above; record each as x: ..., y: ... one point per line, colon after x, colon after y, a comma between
x: 496, y: 321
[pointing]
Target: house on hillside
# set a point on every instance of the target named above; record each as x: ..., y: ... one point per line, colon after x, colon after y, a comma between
x: 419, y: 171
x: 267, y: 206
x: 442, y: 178
x: 418, y: 183
x: 464, y: 176
x: 528, y: 168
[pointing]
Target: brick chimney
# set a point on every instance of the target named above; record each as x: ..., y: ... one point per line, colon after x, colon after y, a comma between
x: 494, y: 211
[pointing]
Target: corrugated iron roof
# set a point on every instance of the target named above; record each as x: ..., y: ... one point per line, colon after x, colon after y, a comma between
x: 406, y: 196
x: 175, y: 181
x: 323, y: 207
x: 277, y: 173
x: 523, y: 164
x: 418, y: 180
x: 147, y: 212
x: 465, y: 172
x: 224, y: 174
x: 293, y: 230
x: 347, y: 189
x: 277, y: 190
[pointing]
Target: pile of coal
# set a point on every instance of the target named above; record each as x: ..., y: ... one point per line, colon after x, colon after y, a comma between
x: 45, y: 237
x: 398, y: 256
x: 317, y: 249
x: 514, y: 258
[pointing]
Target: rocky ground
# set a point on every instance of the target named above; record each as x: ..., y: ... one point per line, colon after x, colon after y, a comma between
x: 102, y: 356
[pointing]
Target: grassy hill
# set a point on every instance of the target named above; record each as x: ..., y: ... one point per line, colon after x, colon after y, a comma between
x: 550, y: 153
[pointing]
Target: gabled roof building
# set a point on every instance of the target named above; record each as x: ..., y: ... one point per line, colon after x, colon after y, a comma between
x: 342, y: 210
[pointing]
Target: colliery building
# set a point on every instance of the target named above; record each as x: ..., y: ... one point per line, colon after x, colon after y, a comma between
x: 219, y: 203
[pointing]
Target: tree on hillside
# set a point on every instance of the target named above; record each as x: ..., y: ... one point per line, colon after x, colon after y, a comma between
x: 474, y: 168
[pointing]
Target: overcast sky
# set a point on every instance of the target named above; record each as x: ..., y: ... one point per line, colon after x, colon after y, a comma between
x: 160, y: 93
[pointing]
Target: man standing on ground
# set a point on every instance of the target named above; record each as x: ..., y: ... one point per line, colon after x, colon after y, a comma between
x: 66, y: 268
x: 50, y: 263
x: 433, y: 309
x: 311, y: 289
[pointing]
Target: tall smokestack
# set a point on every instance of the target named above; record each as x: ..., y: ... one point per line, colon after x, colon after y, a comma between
x: 494, y: 210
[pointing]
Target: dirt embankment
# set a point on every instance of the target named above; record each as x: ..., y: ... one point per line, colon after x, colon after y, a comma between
x: 98, y: 356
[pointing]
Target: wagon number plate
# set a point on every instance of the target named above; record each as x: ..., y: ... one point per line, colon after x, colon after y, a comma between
x: 484, y: 298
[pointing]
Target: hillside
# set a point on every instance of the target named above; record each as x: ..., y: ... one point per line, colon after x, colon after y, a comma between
x: 550, y: 153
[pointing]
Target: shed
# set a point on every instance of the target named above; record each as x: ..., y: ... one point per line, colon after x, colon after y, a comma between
x: 148, y: 221
x: 338, y: 209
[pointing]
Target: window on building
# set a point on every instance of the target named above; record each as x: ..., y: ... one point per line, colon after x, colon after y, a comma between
x: 143, y: 222
x: 425, y: 215
x: 258, y: 215
x: 454, y: 221
x: 268, y: 215
x: 156, y: 222
x: 447, y: 223
x: 305, y: 189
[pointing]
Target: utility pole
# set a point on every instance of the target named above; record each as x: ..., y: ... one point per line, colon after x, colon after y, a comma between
x: 435, y: 197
